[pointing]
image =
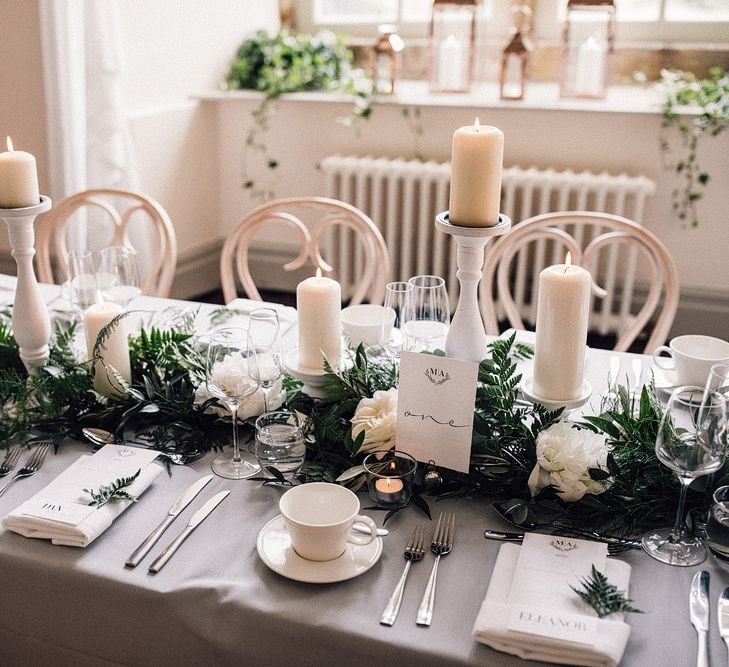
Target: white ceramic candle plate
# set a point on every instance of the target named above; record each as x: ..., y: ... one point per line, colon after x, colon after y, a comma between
x: 274, y: 548
x: 527, y: 388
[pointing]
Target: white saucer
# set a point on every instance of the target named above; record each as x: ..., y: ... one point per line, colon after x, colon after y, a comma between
x: 274, y: 548
x: 665, y: 380
x: 527, y: 388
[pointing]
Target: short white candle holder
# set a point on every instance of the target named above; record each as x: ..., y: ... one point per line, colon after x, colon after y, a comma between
x: 31, y: 321
x: 527, y: 389
x: 312, y: 378
x: 467, y: 336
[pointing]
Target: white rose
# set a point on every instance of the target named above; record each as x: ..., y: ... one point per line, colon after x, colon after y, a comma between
x: 564, y: 458
x: 377, y: 417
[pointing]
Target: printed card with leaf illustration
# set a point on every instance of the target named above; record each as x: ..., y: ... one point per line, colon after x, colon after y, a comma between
x: 435, y: 407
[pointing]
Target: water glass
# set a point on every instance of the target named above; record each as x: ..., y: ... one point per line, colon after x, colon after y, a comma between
x: 280, y: 441
x: 82, y: 286
x: 264, y: 334
x: 691, y: 442
x: 118, y: 275
x: 395, y: 298
x: 426, y: 315
x: 717, y: 524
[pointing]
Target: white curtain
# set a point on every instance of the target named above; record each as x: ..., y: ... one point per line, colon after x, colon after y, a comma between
x: 89, y: 140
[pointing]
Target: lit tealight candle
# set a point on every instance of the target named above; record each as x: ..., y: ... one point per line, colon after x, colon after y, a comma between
x: 389, y: 486
x: 18, y: 179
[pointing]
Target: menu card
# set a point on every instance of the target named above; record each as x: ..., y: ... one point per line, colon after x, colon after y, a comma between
x: 541, y: 600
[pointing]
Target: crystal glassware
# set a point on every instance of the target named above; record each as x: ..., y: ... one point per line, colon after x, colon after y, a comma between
x: 426, y: 315
x: 82, y: 286
x: 390, y: 476
x: 718, y: 379
x: 395, y: 297
x: 229, y: 378
x: 264, y: 334
x: 119, y: 275
x: 691, y: 442
x: 717, y: 525
x: 280, y: 440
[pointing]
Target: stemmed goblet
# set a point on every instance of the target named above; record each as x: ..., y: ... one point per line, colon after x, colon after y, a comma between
x: 229, y: 378
x: 691, y: 442
x: 392, y: 336
x: 82, y: 287
x: 264, y: 334
x: 119, y: 275
x: 426, y: 315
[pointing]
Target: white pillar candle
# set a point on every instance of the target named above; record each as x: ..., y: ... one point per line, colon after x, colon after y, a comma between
x: 451, y: 69
x: 319, y: 306
x: 18, y: 179
x: 476, y: 163
x: 114, y: 351
x: 590, y: 68
x: 561, y: 337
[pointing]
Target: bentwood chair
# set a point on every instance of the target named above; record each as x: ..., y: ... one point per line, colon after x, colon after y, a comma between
x: 118, y: 207
x: 326, y: 213
x: 645, y: 268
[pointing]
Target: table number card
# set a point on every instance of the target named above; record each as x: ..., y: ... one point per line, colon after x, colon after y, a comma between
x: 435, y: 404
x: 541, y: 600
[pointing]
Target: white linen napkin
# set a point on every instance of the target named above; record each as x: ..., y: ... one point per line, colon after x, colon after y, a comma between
x: 491, y: 623
x: 60, y: 512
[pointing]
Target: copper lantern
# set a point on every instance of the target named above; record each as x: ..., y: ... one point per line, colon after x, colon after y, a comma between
x: 384, y: 59
x: 515, y: 56
x: 451, y: 46
x: 588, y: 42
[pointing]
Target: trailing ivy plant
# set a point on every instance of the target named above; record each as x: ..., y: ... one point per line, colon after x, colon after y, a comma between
x: 711, y: 96
x: 288, y: 63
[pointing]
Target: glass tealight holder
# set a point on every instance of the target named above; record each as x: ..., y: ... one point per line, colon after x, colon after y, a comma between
x: 390, y: 476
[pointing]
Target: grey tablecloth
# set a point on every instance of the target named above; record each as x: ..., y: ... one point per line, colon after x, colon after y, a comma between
x: 217, y: 603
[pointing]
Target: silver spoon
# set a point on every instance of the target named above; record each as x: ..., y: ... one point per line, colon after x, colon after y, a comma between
x: 101, y: 437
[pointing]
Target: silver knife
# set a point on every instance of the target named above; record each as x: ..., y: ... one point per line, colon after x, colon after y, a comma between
x: 180, y: 504
x: 723, y: 614
x: 195, y: 521
x: 607, y: 539
x: 699, y: 613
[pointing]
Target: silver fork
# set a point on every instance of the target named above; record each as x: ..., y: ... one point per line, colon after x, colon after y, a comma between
x: 31, y: 466
x: 414, y: 551
x: 441, y: 546
x: 10, y: 460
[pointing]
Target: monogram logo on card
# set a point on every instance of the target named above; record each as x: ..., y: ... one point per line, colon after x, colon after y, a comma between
x: 563, y: 545
x: 437, y: 376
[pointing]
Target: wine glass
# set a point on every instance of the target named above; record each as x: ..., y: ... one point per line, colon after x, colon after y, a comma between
x: 718, y: 379
x: 395, y: 297
x: 265, y: 344
x: 82, y: 286
x: 229, y: 378
x: 426, y: 315
x: 691, y: 443
x: 119, y: 275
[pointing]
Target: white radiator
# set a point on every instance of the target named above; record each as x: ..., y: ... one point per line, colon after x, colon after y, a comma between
x: 403, y: 197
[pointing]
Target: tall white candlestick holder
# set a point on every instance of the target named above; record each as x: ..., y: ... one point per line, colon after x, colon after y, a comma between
x: 31, y: 321
x: 467, y: 336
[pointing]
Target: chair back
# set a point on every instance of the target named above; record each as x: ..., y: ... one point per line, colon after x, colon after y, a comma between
x: 608, y: 232
x: 328, y: 212
x: 53, y: 230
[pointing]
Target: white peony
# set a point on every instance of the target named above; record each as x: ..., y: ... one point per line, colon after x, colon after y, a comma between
x: 564, y: 457
x: 377, y: 417
x: 232, y: 376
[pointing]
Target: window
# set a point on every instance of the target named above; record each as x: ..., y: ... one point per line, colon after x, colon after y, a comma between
x: 639, y: 21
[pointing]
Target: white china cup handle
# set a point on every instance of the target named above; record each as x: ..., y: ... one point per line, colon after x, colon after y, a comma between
x: 362, y: 540
x: 659, y: 361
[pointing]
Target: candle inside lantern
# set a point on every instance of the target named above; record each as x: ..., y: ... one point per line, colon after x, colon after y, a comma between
x: 113, y: 352
x: 319, y: 306
x: 563, y: 309
x: 450, y: 64
x: 18, y: 179
x: 590, y: 68
x: 476, y: 163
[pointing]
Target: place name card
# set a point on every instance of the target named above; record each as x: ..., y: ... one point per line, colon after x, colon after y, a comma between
x: 541, y: 598
x: 435, y: 405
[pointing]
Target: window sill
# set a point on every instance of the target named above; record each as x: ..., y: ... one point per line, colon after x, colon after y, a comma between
x: 538, y: 97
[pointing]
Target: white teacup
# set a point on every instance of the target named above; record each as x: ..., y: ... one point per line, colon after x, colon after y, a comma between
x: 367, y: 323
x: 319, y: 519
x: 692, y: 357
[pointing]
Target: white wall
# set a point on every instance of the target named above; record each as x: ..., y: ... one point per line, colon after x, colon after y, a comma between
x: 174, y: 49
